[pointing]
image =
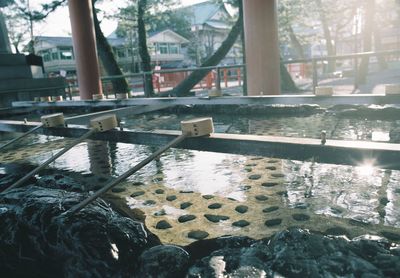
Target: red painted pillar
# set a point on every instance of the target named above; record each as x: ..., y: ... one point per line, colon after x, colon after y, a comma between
x: 84, y: 41
x: 262, y: 47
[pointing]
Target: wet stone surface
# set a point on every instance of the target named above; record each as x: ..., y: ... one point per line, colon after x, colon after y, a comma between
x: 298, y: 253
x: 88, y: 237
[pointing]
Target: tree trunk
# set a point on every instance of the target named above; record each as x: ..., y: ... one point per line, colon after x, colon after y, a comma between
x: 367, y: 40
x: 295, y: 43
x: 107, y: 57
x: 378, y: 47
x: 287, y: 83
x: 196, y: 76
x: 328, y: 37
x: 143, y: 51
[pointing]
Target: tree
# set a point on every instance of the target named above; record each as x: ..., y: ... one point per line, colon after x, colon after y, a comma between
x: 120, y: 85
x: 143, y: 51
x: 196, y: 76
x: 369, y: 12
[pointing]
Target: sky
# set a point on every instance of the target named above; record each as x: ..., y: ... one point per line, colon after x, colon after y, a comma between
x: 57, y: 24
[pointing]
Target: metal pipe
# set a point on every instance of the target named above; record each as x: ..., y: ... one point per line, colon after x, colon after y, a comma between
x: 50, y: 160
x: 21, y: 136
x: 128, y: 173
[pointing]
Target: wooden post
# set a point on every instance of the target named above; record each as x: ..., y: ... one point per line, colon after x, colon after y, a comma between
x: 84, y: 41
x: 262, y: 47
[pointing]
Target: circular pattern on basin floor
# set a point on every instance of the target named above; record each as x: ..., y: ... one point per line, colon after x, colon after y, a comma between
x: 163, y: 225
x: 241, y: 223
x: 300, y: 217
x: 242, y: 208
x: 215, y: 206
x: 215, y: 218
x: 186, y: 218
x: 198, y: 234
x: 273, y: 222
x: 185, y: 205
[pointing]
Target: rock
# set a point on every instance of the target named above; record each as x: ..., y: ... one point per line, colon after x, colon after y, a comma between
x: 61, y: 181
x: 216, y: 218
x: 95, y: 242
x: 197, y: 234
x: 171, y: 198
x: 185, y: 205
x: 163, y: 225
x: 295, y: 253
x: 242, y: 209
x: 215, y: 206
x: 186, y: 218
x: 241, y: 223
x: 166, y: 261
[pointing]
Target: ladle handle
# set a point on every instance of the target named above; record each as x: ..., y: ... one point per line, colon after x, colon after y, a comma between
x: 21, y: 136
x: 50, y: 160
x: 128, y: 173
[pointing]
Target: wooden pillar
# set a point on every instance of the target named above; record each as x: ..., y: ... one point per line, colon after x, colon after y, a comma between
x: 84, y: 41
x: 262, y: 47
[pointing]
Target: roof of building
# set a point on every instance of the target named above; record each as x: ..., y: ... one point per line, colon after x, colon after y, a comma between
x: 201, y: 13
x: 67, y: 41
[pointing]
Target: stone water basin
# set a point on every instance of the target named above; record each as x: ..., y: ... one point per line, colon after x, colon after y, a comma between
x: 189, y: 195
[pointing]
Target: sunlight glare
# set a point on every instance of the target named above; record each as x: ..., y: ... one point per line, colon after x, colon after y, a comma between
x: 366, y: 169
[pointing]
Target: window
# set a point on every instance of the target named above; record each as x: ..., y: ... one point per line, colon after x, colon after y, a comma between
x: 66, y: 53
x: 162, y: 48
x: 46, y: 55
x: 173, y: 48
x: 121, y: 53
x: 54, y: 56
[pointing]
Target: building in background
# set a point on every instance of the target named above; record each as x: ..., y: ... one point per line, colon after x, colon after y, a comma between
x: 58, y: 55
